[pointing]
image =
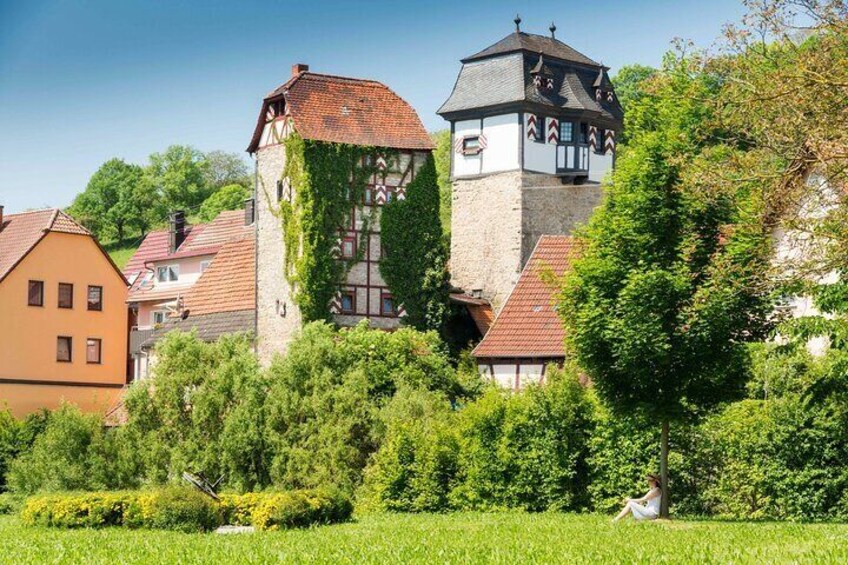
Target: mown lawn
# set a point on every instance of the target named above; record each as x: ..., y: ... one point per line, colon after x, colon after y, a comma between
x: 437, y: 539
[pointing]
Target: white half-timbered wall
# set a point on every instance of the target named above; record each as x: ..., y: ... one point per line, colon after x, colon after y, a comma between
x: 500, y: 136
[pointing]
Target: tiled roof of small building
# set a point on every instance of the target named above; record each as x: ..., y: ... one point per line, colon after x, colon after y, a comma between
x: 521, y: 41
x: 20, y: 233
x: 209, y: 327
x: 347, y: 110
x: 528, y: 324
x: 229, y: 283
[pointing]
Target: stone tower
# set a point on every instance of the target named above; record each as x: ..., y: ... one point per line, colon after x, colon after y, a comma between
x: 331, y: 109
x: 533, y: 126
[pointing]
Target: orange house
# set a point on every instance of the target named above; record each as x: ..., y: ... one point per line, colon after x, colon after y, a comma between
x: 63, y: 317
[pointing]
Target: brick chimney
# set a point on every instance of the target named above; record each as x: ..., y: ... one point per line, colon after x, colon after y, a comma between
x: 177, y: 234
x: 1, y: 217
x: 299, y: 68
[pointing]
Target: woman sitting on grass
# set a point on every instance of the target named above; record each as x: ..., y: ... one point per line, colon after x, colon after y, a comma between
x: 649, y: 511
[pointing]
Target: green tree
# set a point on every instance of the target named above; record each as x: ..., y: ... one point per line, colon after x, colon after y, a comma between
x: 630, y: 82
x: 415, y: 265
x: 666, y: 293
x: 179, y: 177
x: 114, y: 200
x: 230, y: 197
x: 225, y: 169
x: 442, y: 154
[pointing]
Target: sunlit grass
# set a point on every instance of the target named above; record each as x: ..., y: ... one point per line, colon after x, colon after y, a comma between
x: 453, y: 538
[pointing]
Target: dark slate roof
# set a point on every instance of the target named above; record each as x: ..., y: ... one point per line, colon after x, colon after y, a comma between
x: 520, y: 41
x: 209, y: 326
x: 506, y: 79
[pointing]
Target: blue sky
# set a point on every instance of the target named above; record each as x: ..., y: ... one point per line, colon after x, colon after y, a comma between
x: 84, y: 81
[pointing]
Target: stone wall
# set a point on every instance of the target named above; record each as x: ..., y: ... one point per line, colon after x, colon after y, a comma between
x: 486, y: 235
x: 278, y: 317
x: 497, y: 220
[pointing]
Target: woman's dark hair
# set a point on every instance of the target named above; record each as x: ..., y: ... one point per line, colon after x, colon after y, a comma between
x: 656, y: 480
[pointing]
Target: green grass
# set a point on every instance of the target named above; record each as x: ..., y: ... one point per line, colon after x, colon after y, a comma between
x: 121, y: 251
x: 436, y: 539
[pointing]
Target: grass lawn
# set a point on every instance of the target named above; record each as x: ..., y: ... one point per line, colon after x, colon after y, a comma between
x: 437, y: 539
x: 121, y: 251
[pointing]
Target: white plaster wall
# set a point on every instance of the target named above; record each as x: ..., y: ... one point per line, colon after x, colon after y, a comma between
x: 465, y: 165
x: 599, y: 166
x: 538, y: 156
x: 501, y: 153
x: 504, y: 375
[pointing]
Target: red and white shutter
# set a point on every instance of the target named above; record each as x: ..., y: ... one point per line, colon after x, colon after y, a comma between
x: 553, y: 131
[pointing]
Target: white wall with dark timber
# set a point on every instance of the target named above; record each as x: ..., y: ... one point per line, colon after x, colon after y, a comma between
x: 539, y: 156
x: 501, y: 152
x: 466, y: 165
x: 599, y: 165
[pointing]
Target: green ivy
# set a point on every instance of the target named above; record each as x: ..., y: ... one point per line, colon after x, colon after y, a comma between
x: 415, y: 266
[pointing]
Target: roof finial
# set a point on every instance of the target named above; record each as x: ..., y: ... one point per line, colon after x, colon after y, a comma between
x: 517, y: 21
x: 553, y: 30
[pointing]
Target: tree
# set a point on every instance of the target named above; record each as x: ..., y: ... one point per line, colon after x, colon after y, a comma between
x: 230, y: 197
x: 114, y: 199
x: 442, y: 154
x: 629, y: 83
x: 672, y: 279
x: 179, y: 177
x: 226, y: 169
x: 415, y: 265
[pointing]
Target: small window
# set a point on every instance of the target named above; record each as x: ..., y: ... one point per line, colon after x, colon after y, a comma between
x: 66, y: 295
x: 348, y: 302
x: 64, y: 345
x: 584, y: 133
x: 349, y: 247
x: 600, y: 140
x: 168, y: 273
x: 205, y: 265
x: 35, y: 294
x: 92, y: 351
x: 158, y: 317
x: 566, y: 132
x: 95, y: 298
x: 279, y: 190
x: 368, y: 199
x: 390, y: 194
x: 540, y: 130
x: 387, y: 305
x: 471, y: 145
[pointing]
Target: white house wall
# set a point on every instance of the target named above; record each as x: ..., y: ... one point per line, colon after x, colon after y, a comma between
x: 502, y: 134
x: 539, y: 156
x: 599, y: 165
x: 466, y: 165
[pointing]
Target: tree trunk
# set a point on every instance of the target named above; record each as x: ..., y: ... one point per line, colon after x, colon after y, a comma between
x: 664, y: 471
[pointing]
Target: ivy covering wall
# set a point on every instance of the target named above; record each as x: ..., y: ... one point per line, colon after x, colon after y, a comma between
x: 328, y: 181
x: 415, y: 265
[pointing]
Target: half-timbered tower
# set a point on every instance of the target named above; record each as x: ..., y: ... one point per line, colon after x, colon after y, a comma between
x: 533, y: 129
x: 336, y: 110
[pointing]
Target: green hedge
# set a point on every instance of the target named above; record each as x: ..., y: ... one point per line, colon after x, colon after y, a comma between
x: 186, y: 510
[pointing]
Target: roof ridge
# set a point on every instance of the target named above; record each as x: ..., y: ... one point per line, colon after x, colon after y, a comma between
x: 52, y: 219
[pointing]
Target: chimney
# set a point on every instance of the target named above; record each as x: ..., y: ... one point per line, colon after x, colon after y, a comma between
x: 248, y: 211
x: 1, y: 217
x: 299, y: 68
x: 177, y: 233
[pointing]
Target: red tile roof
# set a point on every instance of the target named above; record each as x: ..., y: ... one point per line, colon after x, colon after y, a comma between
x: 480, y: 310
x: 347, y: 110
x: 228, y: 284
x: 528, y: 325
x: 19, y: 233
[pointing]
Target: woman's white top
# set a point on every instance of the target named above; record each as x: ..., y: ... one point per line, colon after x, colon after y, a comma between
x: 654, y: 505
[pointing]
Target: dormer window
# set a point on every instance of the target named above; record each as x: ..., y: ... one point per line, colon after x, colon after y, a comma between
x: 543, y: 79
x: 168, y: 273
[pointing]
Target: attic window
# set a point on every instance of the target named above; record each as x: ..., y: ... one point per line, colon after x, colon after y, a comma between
x: 345, y: 111
x: 471, y: 145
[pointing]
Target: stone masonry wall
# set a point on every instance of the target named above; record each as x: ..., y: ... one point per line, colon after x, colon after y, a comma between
x: 486, y: 235
x: 278, y: 317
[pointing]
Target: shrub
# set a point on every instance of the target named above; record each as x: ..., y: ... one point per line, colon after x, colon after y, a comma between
x: 182, y: 509
x: 77, y: 510
x: 10, y: 503
x: 299, y: 508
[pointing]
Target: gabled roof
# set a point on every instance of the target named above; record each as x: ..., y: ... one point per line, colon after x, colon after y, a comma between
x: 528, y: 324
x: 20, y: 233
x: 521, y: 41
x: 228, y: 284
x: 346, y: 110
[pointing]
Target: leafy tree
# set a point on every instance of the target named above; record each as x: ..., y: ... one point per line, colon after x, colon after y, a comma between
x: 179, y: 176
x: 415, y: 265
x: 442, y: 154
x: 672, y: 280
x: 230, y: 197
x: 225, y: 169
x: 114, y: 200
x: 629, y: 83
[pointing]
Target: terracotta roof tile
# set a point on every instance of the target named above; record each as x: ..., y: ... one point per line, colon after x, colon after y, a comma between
x: 228, y: 284
x: 19, y: 233
x: 528, y: 325
x: 347, y: 110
